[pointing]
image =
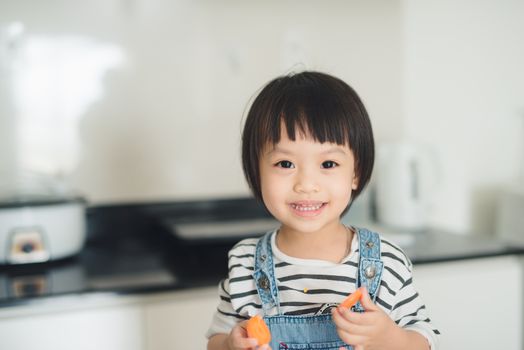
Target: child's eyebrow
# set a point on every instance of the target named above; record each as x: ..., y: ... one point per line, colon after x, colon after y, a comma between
x: 277, y: 149
x: 332, y: 150
x: 335, y: 150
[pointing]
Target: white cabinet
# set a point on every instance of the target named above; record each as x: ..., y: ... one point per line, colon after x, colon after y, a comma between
x: 85, y: 326
x: 476, y: 304
x: 174, y: 320
x: 181, y: 320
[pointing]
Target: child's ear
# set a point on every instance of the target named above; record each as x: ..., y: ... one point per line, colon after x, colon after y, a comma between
x: 354, y: 184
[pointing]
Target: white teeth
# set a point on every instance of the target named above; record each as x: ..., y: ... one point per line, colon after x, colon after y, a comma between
x: 306, y: 208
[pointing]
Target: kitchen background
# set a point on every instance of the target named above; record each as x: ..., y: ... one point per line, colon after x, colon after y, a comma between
x: 131, y: 101
x: 137, y: 105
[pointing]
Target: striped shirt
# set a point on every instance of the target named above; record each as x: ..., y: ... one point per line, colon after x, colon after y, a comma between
x: 306, y: 286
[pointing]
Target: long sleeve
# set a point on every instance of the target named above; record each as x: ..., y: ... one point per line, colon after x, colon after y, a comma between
x: 237, y: 291
x: 409, y: 312
x: 398, y: 295
x: 225, y: 317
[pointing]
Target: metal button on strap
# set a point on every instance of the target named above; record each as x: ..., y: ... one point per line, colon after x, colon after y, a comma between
x: 370, y: 271
x: 262, y: 258
x: 263, y: 282
x: 370, y: 244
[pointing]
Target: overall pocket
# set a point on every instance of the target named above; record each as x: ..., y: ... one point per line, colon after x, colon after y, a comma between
x: 335, y: 345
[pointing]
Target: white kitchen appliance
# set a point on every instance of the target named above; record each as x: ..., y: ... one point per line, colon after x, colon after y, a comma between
x: 510, y: 214
x: 41, y: 229
x: 509, y: 224
x: 405, y: 179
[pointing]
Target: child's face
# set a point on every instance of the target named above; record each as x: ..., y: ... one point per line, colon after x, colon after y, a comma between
x: 305, y: 184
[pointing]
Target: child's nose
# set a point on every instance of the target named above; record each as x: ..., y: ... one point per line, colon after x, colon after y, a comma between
x: 306, y: 183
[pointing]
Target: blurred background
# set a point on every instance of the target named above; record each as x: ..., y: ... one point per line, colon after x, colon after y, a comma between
x: 129, y: 100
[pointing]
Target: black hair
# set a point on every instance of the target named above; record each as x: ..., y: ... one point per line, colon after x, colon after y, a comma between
x: 314, y: 104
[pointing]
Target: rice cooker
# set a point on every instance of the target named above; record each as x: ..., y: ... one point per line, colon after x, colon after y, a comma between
x: 35, y: 230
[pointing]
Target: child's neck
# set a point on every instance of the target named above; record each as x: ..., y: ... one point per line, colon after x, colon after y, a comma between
x: 331, y: 244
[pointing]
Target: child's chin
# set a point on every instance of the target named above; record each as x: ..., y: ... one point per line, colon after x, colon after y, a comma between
x: 305, y: 227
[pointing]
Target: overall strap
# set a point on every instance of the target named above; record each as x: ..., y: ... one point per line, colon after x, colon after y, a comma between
x: 264, y: 275
x: 370, y: 264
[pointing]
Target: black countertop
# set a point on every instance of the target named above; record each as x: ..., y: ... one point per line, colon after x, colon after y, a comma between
x: 134, y: 249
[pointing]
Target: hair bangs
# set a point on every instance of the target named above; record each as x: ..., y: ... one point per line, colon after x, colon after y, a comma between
x: 303, y: 113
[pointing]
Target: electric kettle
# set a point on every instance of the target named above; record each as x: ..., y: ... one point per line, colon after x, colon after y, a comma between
x: 405, y: 180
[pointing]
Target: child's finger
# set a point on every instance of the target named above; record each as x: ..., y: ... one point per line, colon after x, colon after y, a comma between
x: 339, y: 319
x: 360, y: 318
x: 343, y: 315
x: 245, y: 343
x: 351, y: 316
x: 351, y: 328
x: 347, y: 326
x: 366, y: 301
x: 239, y: 330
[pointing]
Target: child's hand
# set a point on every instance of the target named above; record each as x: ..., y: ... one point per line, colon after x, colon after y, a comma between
x: 238, y: 339
x: 372, y: 329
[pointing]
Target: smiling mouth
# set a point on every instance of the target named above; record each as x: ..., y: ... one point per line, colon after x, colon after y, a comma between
x: 307, y: 207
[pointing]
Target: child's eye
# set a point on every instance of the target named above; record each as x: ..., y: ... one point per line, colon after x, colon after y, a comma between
x: 328, y: 164
x: 286, y: 164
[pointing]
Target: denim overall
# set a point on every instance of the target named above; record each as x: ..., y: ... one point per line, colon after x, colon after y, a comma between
x: 312, y: 331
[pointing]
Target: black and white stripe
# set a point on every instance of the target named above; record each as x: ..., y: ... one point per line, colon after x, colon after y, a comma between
x: 304, y: 286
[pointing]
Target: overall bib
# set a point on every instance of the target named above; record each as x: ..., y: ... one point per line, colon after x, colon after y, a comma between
x: 312, y: 331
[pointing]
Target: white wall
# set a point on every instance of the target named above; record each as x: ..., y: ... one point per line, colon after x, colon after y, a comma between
x: 464, y: 95
x: 166, y: 123
x: 163, y: 118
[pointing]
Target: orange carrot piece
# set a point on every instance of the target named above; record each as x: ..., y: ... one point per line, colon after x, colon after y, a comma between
x: 352, y: 298
x: 257, y: 328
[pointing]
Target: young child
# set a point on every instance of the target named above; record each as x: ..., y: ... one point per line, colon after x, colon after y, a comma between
x: 307, y: 152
